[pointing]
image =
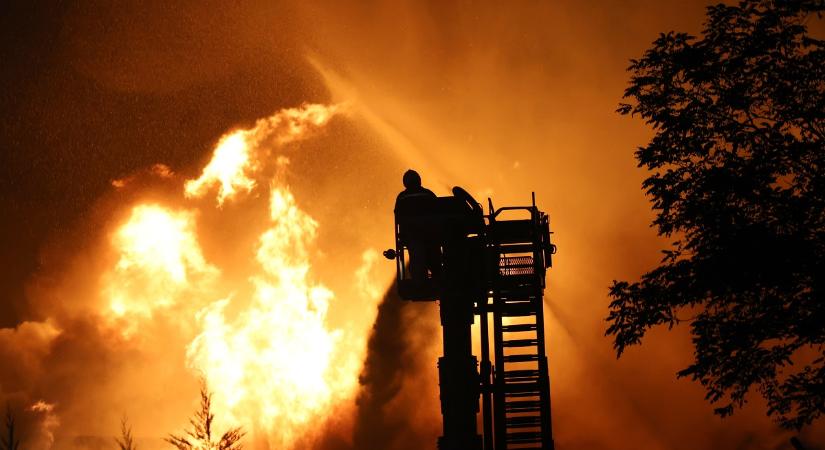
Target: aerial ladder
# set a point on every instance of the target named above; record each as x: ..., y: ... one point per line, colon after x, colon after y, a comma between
x: 492, y: 266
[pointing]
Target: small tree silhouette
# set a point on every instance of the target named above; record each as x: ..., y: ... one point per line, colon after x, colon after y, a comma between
x: 10, y: 442
x: 125, y: 442
x: 199, y: 437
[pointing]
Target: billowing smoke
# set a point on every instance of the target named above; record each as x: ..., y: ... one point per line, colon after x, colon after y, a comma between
x: 399, y: 378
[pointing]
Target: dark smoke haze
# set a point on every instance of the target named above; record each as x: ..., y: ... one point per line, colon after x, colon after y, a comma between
x: 503, y: 98
x: 397, y: 380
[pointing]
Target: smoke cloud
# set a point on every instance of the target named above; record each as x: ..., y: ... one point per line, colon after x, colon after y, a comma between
x: 399, y: 378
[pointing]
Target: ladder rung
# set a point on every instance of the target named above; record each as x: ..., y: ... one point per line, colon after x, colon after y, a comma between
x: 520, y: 373
x: 524, y: 437
x: 522, y: 387
x: 521, y: 394
x: 509, y: 301
x: 520, y: 343
x: 524, y: 379
x: 516, y: 306
x: 519, y: 293
x: 518, y: 310
x: 522, y: 406
x: 508, y: 282
x: 520, y: 358
x: 518, y: 327
x: 523, y: 421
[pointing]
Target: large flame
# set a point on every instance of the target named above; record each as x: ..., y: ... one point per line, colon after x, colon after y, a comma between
x: 273, y: 363
x: 159, y: 261
x: 229, y: 167
x: 239, y: 155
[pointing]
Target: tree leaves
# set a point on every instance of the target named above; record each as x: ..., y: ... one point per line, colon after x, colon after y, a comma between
x: 737, y: 172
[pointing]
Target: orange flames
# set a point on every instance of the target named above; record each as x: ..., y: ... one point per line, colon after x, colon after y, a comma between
x: 276, y: 362
x: 240, y: 155
x: 159, y: 262
x: 264, y: 347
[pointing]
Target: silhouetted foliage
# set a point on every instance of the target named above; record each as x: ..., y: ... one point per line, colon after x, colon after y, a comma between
x: 199, y: 437
x: 738, y: 181
x: 9, y: 441
x: 125, y: 442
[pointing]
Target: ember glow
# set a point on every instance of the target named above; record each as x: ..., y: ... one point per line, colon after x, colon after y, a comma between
x: 274, y: 364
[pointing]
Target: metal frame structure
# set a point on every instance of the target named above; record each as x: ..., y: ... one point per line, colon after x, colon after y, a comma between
x: 488, y: 265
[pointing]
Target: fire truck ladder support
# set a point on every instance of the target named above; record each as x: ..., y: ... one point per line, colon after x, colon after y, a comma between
x: 492, y: 265
x: 521, y: 385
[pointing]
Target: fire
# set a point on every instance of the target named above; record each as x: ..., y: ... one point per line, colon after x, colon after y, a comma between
x: 263, y: 346
x: 274, y: 363
x: 229, y: 167
x: 238, y: 155
x: 159, y: 257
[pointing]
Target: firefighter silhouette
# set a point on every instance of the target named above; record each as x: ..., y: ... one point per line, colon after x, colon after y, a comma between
x: 420, y: 236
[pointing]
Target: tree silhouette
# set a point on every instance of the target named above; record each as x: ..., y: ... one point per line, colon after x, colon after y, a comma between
x: 199, y: 437
x: 125, y: 442
x: 738, y: 182
x: 10, y: 441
